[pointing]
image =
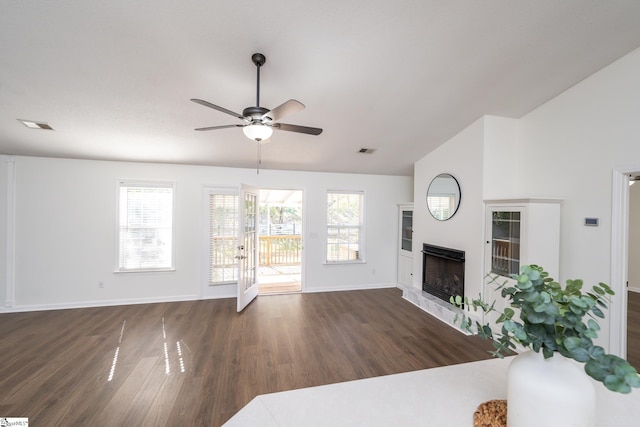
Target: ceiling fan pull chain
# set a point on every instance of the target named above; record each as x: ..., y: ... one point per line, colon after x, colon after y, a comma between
x: 259, y: 162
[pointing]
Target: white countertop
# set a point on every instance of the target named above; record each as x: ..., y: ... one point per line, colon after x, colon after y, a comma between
x: 446, y: 396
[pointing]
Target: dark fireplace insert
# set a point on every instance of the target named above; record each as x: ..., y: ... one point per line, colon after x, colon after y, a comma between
x: 442, y: 271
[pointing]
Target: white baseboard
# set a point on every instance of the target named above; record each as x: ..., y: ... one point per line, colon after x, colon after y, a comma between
x: 350, y: 288
x: 633, y: 289
x: 89, y: 304
x: 110, y: 303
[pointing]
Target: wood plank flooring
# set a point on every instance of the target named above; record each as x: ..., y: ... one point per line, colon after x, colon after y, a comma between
x: 197, y: 363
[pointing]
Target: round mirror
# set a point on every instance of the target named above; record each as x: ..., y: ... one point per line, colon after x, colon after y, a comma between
x: 443, y: 197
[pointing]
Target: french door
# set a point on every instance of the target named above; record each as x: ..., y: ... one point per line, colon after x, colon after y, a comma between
x: 247, y: 254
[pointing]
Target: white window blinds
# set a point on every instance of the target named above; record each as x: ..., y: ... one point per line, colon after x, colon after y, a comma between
x: 345, y: 226
x: 223, y: 238
x: 441, y: 207
x: 145, y: 226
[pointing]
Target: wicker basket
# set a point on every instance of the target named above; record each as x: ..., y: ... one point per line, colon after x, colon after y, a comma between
x: 491, y: 414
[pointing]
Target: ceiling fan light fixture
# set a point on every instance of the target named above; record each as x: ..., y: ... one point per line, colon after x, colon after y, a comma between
x: 260, y: 121
x: 257, y: 132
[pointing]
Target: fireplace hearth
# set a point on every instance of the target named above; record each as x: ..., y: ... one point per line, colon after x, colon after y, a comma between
x: 442, y: 271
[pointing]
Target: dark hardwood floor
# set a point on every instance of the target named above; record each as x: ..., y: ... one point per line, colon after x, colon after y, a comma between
x: 633, y: 329
x: 198, y: 363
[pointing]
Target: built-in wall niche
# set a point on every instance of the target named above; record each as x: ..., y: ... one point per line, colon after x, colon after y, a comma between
x: 519, y: 232
x: 405, y: 245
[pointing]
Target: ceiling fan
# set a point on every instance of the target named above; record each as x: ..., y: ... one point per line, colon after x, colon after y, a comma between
x: 259, y: 122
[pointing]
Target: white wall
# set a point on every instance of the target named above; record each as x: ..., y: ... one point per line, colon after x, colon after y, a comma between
x: 567, y: 149
x: 461, y: 157
x: 502, y: 174
x: 483, y: 158
x: 577, y: 139
x: 66, y: 230
x: 3, y: 229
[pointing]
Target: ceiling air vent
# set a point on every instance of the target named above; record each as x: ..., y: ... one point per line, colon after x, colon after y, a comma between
x: 366, y: 150
x: 35, y: 125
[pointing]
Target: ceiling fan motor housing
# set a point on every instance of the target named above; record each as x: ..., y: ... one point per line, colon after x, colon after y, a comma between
x: 255, y: 113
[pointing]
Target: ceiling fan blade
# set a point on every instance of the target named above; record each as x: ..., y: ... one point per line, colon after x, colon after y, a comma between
x: 284, y: 109
x: 299, y: 129
x: 216, y: 107
x: 220, y: 127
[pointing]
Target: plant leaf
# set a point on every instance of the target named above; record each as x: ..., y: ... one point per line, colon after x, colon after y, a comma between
x: 597, y: 312
x: 571, y: 343
x: 536, y: 318
x: 593, y: 325
x: 596, y: 370
x: 614, y: 383
x: 524, y: 285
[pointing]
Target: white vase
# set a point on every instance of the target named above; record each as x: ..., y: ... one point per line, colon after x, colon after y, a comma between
x: 554, y: 392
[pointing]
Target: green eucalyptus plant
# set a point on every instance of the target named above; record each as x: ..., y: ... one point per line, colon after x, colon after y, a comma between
x: 552, y: 319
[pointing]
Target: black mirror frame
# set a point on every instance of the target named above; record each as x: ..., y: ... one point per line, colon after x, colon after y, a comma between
x: 458, y: 199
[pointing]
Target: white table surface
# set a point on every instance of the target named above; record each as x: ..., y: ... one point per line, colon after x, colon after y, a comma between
x: 446, y: 396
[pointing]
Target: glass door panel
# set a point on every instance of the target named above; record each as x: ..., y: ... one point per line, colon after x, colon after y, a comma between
x: 407, y: 230
x: 505, y: 242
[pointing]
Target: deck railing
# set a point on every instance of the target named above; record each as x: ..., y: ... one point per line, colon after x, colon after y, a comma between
x: 280, y: 250
x: 273, y: 250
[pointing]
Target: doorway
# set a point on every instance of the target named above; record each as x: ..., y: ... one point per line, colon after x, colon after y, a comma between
x: 621, y: 235
x: 280, y: 241
x: 633, y: 276
x: 279, y: 224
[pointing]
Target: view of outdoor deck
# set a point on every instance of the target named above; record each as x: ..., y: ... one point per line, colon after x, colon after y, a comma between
x: 279, y: 246
x: 279, y: 279
x: 279, y: 267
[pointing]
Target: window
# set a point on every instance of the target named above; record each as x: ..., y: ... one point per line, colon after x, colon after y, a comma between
x: 442, y: 207
x: 223, y: 238
x: 145, y: 226
x: 345, y: 226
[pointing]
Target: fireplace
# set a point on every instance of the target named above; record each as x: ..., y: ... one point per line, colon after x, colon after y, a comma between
x: 442, y: 271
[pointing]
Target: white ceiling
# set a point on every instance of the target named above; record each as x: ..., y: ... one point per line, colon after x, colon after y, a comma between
x: 280, y: 197
x: 114, y: 78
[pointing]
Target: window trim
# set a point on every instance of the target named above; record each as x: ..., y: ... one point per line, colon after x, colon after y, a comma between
x: 153, y: 184
x: 362, y: 226
x: 437, y: 198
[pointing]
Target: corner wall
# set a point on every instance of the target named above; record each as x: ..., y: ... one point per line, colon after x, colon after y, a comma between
x: 567, y: 148
x: 571, y: 145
